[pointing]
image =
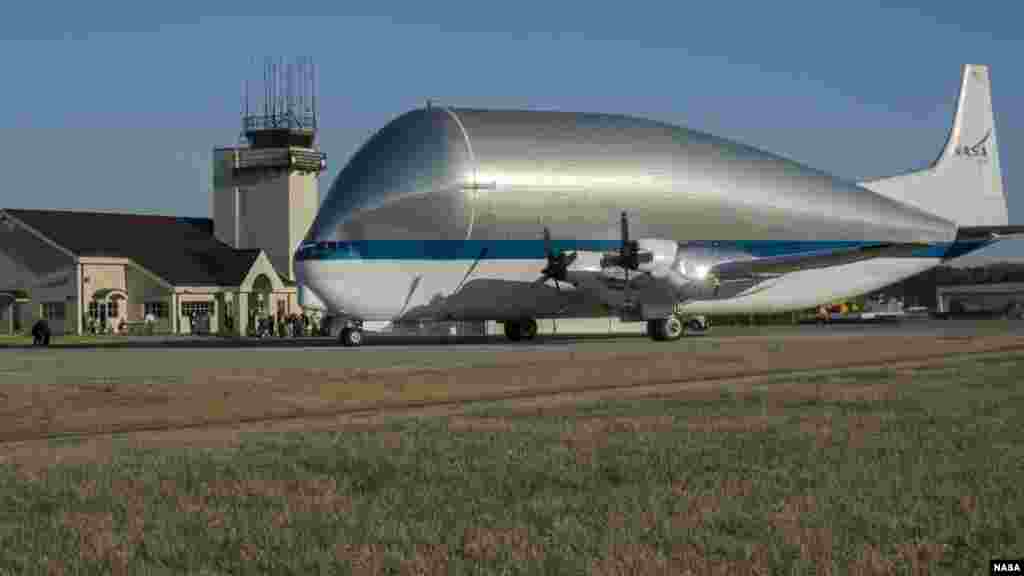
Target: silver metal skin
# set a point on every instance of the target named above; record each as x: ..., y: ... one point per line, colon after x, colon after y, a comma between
x: 458, y: 174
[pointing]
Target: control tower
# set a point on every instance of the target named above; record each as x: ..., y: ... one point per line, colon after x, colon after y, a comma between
x: 265, y: 191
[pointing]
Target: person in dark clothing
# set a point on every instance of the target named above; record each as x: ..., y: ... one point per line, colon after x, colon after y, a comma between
x: 41, y: 333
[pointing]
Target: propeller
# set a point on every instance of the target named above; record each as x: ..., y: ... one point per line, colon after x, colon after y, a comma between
x: 629, y: 256
x: 558, y: 263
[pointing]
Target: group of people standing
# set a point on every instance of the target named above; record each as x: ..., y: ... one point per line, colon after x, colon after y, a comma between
x: 286, y: 325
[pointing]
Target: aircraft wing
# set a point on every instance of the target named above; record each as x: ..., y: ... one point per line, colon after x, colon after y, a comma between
x: 777, y: 265
x: 969, y: 233
x: 591, y: 283
x: 670, y: 287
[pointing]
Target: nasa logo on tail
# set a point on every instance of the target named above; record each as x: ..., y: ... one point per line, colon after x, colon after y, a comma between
x: 979, y: 150
x: 1006, y: 567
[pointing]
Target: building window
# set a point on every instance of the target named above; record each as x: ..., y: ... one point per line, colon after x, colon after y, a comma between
x: 197, y: 308
x: 106, y: 309
x: 157, y: 309
x: 53, y: 310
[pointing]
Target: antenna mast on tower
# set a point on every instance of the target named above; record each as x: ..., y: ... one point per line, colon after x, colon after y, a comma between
x: 290, y: 114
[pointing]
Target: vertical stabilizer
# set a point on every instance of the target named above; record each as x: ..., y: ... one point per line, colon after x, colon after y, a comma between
x: 965, y: 184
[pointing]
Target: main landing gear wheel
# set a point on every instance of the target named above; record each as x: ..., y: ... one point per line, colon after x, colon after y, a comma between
x: 698, y: 325
x: 525, y: 329
x: 653, y: 331
x: 529, y: 328
x: 351, y: 337
x: 665, y: 329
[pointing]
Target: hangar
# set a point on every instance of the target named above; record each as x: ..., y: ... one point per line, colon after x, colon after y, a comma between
x: 1007, y: 297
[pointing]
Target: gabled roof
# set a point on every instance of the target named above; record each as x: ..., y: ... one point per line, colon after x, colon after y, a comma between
x: 182, y: 251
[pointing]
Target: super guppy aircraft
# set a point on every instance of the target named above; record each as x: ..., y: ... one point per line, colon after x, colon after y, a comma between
x: 465, y: 214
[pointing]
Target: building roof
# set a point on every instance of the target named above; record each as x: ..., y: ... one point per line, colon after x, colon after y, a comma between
x: 182, y: 251
x: 13, y: 294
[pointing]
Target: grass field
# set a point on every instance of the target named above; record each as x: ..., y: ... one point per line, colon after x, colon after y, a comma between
x: 865, y: 472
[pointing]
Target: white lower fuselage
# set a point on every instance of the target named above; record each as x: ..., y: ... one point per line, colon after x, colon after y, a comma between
x: 504, y: 289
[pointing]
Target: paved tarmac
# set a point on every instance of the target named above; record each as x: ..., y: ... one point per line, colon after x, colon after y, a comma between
x: 936, y: 328
x: 155, y: 355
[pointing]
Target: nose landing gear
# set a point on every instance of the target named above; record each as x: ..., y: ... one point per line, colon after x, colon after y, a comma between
x: 351, y: 337
x: 351, y: 334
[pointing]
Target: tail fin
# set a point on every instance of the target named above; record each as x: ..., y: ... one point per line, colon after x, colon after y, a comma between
x: 965, y: 184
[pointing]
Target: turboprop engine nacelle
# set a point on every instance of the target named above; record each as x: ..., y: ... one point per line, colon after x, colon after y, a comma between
x: 687, y: 271
x: 665, y: 263
x: 663, y: 252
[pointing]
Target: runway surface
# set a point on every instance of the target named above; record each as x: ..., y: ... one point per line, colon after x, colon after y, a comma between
x: 375, y: 342
x: 175, y: 359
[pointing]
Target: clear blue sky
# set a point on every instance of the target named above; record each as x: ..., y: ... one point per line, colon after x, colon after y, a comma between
x: 117, y: 105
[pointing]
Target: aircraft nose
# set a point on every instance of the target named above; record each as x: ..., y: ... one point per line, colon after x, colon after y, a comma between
x: 338, y: 276
x: 309, y: 270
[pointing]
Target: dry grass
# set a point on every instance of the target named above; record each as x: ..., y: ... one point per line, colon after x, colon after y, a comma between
x: 362, y: 559
x: 921, y: 556
x: 477, y: 424
x: 203, y: 394
x: 427, y: 559
x: 819, y: 427
x: 589, y: 435
x: 98, y: 536
x: 859, y: 428
x: 822, y: 391
x: 872, y: 562
x: 488, y: 544
x: 698, y: 505
x: 815, y: 543
x: 862, y: 472
x: 727, y: 424
x: 684, y: 560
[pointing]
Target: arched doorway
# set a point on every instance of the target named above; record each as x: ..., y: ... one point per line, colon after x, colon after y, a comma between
x: 259, y: 306
x: 108, y: 310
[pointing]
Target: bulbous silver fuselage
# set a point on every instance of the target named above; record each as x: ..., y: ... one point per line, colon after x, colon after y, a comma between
x: 438, y: 191
x: 479, y: 174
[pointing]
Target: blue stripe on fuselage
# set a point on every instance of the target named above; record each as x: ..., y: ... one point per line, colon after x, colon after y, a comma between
x: 535, y: 250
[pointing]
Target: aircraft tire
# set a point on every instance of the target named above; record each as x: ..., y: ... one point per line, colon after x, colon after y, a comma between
x: 668, y: 329
x: 351, y: 337
x: 654, y: 330
x: 528, y: 327
x: 513, y: 330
